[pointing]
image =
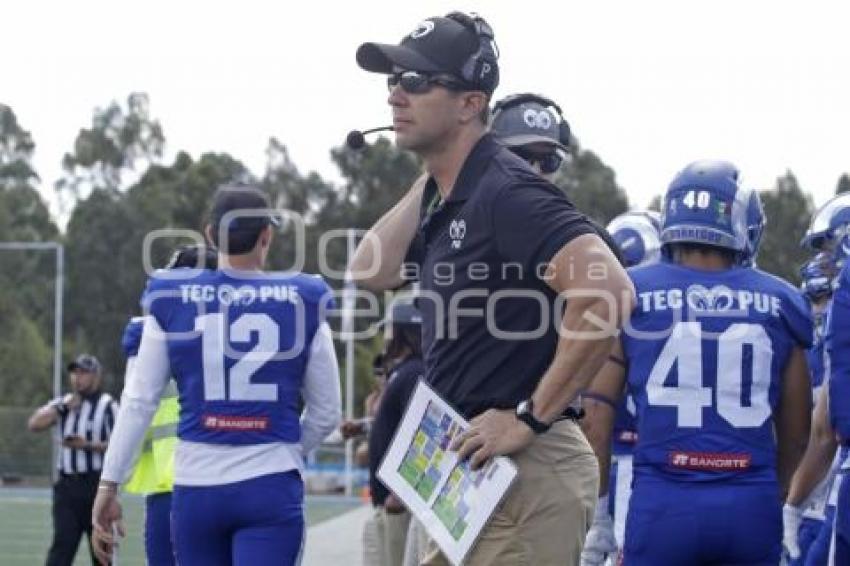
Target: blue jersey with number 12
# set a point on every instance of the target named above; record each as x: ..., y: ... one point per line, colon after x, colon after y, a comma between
x: 706, y: 352
x: 238, y: 345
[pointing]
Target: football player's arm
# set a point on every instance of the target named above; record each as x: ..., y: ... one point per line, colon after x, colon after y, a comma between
x: 818, y: 456
x: 143, y: 386
x: 793, y: 417
x: 376, y: 264
x: 320, y: 391
x: 600, y: 406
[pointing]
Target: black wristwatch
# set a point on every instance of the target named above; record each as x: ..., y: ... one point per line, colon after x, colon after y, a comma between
x: 525, y: 413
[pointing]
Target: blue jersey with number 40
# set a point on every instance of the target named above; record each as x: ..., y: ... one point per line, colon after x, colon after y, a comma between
x: 706, y: 352
x: 238, y: 345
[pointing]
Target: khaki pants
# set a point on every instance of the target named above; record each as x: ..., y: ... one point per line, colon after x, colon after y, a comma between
x: 417, y: 543
x: 395, y: 536
x: 373, y: 540
x: 545, y: 516
x: 384, y: 538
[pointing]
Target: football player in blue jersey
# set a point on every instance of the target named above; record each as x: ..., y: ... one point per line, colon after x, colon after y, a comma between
x: 246, y: 349
x: 714, y: 356
x: 816, y: 481
x: 838, y: 360
x: 830, y: 229
x: 637, y: 235
x: 802, y: 523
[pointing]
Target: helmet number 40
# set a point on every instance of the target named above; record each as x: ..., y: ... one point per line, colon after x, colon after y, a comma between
x: 697, y: 199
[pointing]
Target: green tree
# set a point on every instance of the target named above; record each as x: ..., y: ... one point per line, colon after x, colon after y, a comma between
x: 788, y: 211
x: 16, y: 149
x: 118, y: 140
x: 106, y: 234
x: 26, y: 276
x: 592, y: 187
x: 843, y: 184
x: 26, y: 358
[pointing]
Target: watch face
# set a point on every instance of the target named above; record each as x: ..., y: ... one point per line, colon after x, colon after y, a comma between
x: 522, y: 408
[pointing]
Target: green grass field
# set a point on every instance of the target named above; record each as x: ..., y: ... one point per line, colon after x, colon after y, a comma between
x: 25, y: 525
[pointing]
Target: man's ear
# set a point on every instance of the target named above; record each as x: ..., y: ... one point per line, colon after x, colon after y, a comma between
x: 208, y: 232
x: 474, y: 103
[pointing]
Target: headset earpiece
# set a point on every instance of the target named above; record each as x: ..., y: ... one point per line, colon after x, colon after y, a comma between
x: 481, y: 71
x: 564, y: 133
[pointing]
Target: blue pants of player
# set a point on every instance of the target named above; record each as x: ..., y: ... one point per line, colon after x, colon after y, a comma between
x: 256, y: 522
x: 158, y: 548
x: 690, y: 524
x: 817, y: 553
x: 840, y: 551
x: 806, y: 537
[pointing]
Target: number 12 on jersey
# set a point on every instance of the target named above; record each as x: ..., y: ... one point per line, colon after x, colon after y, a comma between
x: 214, y: 347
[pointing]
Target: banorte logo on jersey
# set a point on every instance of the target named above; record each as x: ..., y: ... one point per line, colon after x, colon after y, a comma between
x: 457, y: 231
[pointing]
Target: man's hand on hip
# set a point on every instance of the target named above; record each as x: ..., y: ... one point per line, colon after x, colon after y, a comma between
x: 492, y: 433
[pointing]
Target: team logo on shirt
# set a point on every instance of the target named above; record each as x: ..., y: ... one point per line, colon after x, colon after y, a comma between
x: 717, y: 298
x: 457, y: 231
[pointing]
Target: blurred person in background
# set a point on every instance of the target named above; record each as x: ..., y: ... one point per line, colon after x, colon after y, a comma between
x: 153, y: 476
x: 827, y: 235
x: 86, y: 417
x: 403, y: 359
x: 534, y: 128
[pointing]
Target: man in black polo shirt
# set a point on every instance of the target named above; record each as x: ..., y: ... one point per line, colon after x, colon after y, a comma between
x: 496, y: 249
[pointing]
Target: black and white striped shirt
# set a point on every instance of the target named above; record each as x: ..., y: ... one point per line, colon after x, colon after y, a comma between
x: 93, y: 420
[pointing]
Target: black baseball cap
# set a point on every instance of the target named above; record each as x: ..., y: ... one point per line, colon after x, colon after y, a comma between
x: 85, y: 362
x: 527, y: 123
x: 246, y: 211
x: 436, y: 45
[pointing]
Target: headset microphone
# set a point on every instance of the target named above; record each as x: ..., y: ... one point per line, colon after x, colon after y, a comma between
x: 356, y: 139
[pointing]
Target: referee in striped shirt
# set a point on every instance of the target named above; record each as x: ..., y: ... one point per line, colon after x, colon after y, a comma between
x: 85, y: 417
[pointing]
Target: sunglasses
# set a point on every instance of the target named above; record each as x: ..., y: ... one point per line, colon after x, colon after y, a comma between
x: 414, y: 82
x: 549, y: 162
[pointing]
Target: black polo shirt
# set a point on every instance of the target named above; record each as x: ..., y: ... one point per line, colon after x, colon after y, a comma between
x: 489, y: 329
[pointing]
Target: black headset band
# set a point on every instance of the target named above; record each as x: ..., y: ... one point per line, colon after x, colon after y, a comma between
x: 522, y: 98
x: 486, y: 53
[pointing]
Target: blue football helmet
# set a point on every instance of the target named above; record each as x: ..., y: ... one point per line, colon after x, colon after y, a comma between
x: 705, y: 204
x: 755, y: 229
x: 817, y: 275
x: 637, y: 235
x: 829, y: 227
